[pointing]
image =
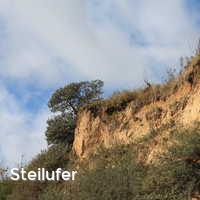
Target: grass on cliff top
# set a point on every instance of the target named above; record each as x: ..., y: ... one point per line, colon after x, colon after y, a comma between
x: 139, y: 98
x: 144, y: 96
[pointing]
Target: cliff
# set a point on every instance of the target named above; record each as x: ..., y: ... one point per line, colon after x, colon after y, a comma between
x: 129, y: 117
x: 142, y: 144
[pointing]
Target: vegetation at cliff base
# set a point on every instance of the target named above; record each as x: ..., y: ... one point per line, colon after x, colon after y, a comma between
x: 118, y: 174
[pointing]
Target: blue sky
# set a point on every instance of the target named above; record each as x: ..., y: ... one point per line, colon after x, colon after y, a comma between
x: 45, y: 44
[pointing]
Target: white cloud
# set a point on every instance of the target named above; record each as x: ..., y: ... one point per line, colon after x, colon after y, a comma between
x: 41, y: 31
x: 21, y: 133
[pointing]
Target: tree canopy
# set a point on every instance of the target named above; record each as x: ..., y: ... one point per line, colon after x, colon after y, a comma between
x: 72, y: 96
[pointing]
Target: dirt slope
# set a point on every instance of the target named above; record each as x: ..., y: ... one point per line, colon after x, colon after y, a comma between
x: 126, y: 126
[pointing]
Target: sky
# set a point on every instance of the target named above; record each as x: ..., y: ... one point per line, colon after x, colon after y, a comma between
x: 46, y: 44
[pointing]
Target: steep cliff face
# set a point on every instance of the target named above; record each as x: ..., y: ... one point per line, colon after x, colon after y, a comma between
x: 129, y: 126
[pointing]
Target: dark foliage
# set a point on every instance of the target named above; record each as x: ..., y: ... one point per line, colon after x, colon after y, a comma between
x: 73, y: 96
x: 66, y: 102
x: 60, y: 129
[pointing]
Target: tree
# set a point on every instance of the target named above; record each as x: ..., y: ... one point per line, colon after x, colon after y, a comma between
x: 60, y: 129
x: 70, y: 98
x: 66, y: 102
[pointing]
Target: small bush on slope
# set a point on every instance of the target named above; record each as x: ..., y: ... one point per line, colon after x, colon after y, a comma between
x: 5, y: 189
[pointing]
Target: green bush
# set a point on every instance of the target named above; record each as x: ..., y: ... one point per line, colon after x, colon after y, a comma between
x: 51, y: 159
x: 5, y: 189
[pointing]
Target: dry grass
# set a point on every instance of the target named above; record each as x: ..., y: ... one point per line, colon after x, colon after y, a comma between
x: 145, y: 96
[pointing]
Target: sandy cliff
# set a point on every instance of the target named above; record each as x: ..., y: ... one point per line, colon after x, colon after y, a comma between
x: 128, y: 125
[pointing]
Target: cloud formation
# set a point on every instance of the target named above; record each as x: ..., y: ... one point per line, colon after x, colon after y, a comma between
x: 21, y: 133
x: 48, y: 43
x: 93, y: 38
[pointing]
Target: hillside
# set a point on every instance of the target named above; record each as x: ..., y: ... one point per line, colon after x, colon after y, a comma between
x: 135, y: 145
x: 128, y: 117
